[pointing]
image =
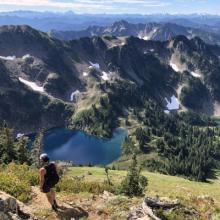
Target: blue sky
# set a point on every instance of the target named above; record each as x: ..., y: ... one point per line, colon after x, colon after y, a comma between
x: 115, y: 6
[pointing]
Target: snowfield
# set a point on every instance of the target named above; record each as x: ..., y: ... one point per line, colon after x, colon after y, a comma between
x: 95, y: 65
x: 173, y: 104
x: 146, y: 37
x: 8, y: 57
x: 174, y: 67
x: 197, y: 75
x: 149, y: 35
x: 167, y: 112
x: 14, y: 57
x: 19, y: 135
x: 75, y: 96
x: 26, y: 56
x: 105, y: 76
x: 32, y: 85
x: 85, y: 74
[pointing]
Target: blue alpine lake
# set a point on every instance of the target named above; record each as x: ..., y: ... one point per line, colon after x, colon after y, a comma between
x: 82, y: 148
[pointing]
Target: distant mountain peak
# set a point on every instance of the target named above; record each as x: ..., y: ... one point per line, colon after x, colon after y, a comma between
x: 148, y: 31
x: 121, y: 22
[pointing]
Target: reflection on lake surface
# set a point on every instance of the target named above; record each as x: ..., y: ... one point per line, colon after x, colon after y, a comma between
x: 82, y: 148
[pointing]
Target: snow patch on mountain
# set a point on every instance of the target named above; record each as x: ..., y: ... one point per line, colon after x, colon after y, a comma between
x: 148, y: 36
x: 19, y: 135
x: 105, y: 76
x: 181, y: 68
x: 32, y: 85
x: 8, y: 57
x: 11, y: 58
x: 149, y: 51
x: 122, y: 28
x: 195, y: 74
x: 85, y: 74
x: 167, y: 112
x: 94, y: 65
x: 174, y: 66
x: 26, y: 56
x: 173, y: 103
x: 75, y: 96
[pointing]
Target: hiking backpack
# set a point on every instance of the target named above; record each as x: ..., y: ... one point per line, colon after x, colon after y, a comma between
x: 51, y: 177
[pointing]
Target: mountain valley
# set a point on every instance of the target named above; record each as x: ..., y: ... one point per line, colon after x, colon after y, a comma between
x: 128, y: 105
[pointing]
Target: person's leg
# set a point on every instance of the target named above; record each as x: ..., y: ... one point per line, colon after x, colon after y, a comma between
x: 53, y: 194
x: 50, y: 197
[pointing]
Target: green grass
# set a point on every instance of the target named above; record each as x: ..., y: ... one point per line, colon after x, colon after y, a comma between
x: 159, y: 184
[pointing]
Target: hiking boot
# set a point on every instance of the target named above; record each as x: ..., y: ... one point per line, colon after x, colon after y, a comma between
x: 55, y: 204
x: 54, y: 208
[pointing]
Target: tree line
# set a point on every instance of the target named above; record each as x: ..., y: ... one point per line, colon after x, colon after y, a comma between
x: 187, y: 143
x: 18, y: 149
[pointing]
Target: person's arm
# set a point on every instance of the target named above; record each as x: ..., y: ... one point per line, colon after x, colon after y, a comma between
x: 42, y: 172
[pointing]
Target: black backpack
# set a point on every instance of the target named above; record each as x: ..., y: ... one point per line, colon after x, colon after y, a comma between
x: 51, y: 177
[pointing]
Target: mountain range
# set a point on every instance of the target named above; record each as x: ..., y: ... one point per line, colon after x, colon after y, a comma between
x: 46, y: 21
x: 149, y: 31
x: 47, y: 82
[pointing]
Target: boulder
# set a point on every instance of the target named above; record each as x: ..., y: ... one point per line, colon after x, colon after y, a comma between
x: 12, y: 209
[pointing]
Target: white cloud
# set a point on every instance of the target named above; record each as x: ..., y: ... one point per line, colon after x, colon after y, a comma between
x: 84, y: 4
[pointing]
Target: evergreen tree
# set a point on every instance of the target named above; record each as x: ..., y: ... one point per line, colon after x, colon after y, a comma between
x: 23, y: 153
x: 128, y: 146
x: 7, y: 151
x: 36, y: 149
x: 141, y: 137
x: 134, y: 184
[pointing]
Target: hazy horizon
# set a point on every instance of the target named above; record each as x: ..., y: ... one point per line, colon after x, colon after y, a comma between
x: 84, y: 13
x: 142, y: 7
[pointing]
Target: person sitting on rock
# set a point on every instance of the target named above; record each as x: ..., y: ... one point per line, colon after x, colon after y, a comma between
x: 48, y: 179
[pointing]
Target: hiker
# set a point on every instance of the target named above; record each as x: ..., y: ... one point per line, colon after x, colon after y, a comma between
x: 48, y: 179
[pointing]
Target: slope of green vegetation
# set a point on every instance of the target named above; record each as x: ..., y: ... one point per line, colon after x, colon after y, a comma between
x: 17, y: 180
x: 204, y: 197
x: 163, y: 185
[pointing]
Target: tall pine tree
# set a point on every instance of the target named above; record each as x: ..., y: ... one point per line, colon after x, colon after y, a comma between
x: 7, y: 151
x: 36, y: 149
x: 23, y: 154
